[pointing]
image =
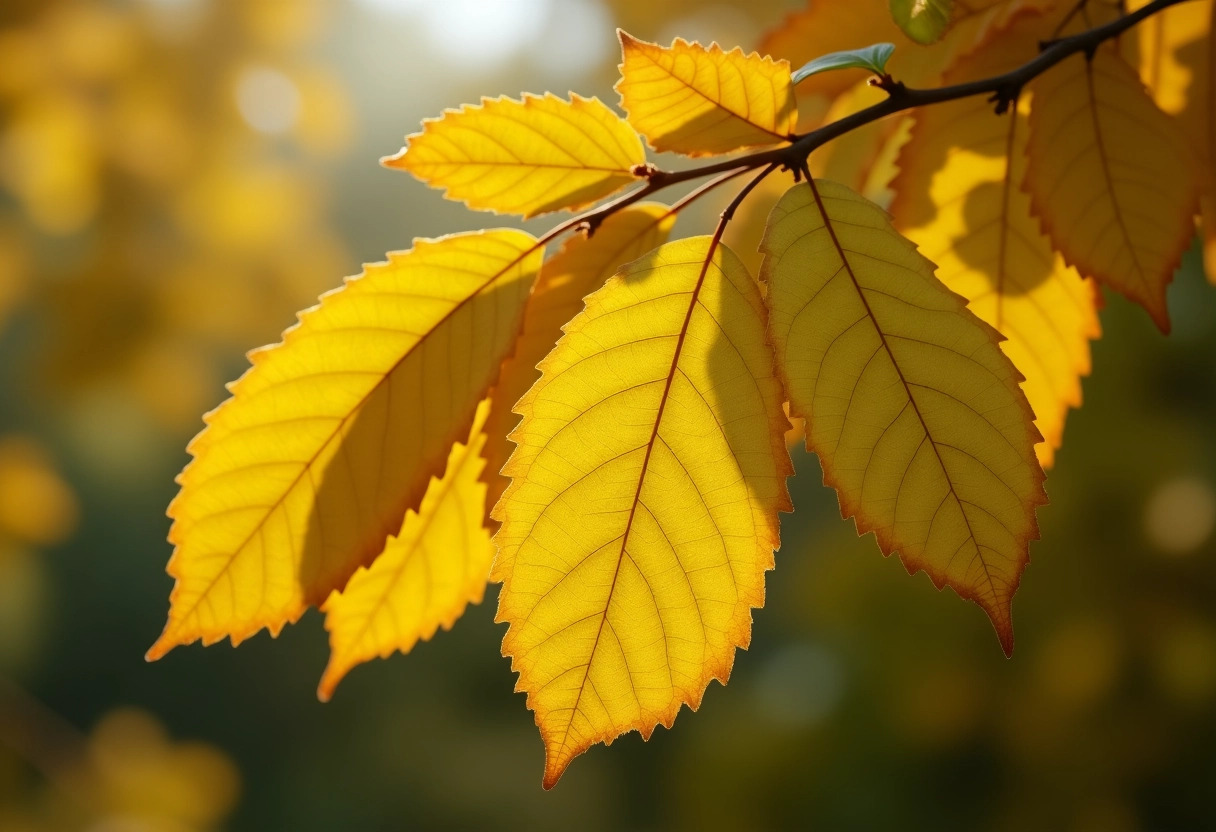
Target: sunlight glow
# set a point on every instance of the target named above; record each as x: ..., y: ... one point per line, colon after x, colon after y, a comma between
x: 269, y: 101
x: 1181, y: 515
x: 475, y: 32
x: 578, y: 38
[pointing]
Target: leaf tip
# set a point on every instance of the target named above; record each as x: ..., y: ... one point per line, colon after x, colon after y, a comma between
x: 395, y: 161
x: 555, y: 767
x: 160, y: 648
x: 1005, y: 633
x: 1000, y: 613
x: 1160, y: 315
x: 328, y: 684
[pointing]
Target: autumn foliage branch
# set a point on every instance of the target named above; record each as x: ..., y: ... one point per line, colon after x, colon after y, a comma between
x: 1004, y: 89
x: 616, y: 414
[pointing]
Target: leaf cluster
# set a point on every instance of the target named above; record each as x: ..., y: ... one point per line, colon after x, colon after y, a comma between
x: 616, y: 412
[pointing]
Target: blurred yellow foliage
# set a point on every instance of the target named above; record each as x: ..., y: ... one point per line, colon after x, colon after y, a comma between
x: 14, y: 267
x: 36, y: 506
x: 127, y: 774
x: 23, y: 605
x: 136, y: 771
x: 160, y: 198
x: 1080, y: 664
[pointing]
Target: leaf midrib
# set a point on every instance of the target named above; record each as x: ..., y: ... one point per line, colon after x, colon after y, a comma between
x: 637, y: 496
x: 827, y: 224
x: 307, y: 467
x: 447, y: 488
x: 1106, y: 174
x: 743, y: 118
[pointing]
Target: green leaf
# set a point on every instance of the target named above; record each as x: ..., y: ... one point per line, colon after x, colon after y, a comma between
x: 922, y: 20
x: 874, y: 58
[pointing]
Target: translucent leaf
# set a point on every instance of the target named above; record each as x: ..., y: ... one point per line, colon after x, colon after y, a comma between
x: 427, y: 574
x: 524, y: 157
x: 645, y: 518
x: 871, y: 58
x: 701, y: 101
x: 301, y: 476
x: 1176, y: 47
x: 580, y: 268
x: 1174, y: 54
x: 1112, y: 178
x: 958, y: 196
x: 915, y: 413
x: 865, y: 160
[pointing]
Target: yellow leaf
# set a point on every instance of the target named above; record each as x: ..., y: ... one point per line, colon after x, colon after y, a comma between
x: 975, y: 23
x: 864, y: 161
x: 958, y: 196
x: 641, y: 527
x: 1174, y: 54
x: 1175, y: 59
x: 850, y: 161
x: 701, y: 101
x: 826, y: 26
x: 576, y: 271
x: 881, y: 171
x: 748, y: 224
x: 1119, y: 213
x: 1200, y: 113
x: 524, y: 157
x: 300, y: 477
x: 426, y: 575
x: 915, y: 413
x: 1181, y: 76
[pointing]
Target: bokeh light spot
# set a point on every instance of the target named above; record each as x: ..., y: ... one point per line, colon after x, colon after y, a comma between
x: 36, y: 505
x: 1181, y: 515
x: 577, y: 39
x: 269, y: 101
x: 474, y: 32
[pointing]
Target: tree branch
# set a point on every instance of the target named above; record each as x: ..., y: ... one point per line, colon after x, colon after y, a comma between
x: 1003, y: 90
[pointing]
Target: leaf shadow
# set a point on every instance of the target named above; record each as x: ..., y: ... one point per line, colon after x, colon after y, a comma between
x: 1010, y: 253
x: 1195, y: 53
x: 722, y: 382
x: 393, y: 444
x: 690, y: 135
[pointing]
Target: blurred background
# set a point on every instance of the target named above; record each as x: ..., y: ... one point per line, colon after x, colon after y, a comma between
x: 178, y: 177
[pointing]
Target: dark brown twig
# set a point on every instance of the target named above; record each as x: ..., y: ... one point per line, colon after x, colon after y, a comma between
x: 1002, y: 90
